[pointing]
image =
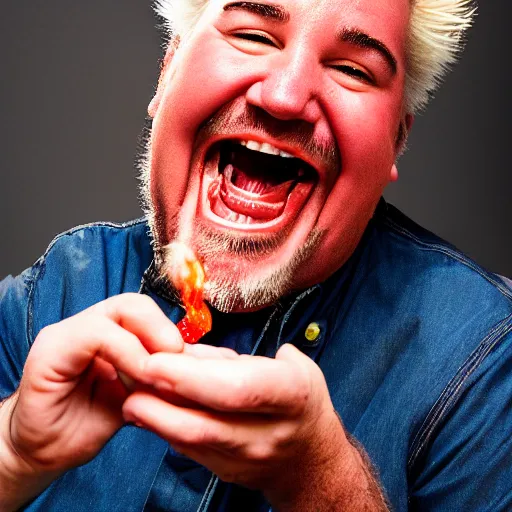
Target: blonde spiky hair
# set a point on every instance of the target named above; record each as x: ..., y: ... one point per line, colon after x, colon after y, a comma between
x: 437, y: 31
x: 436, y: 37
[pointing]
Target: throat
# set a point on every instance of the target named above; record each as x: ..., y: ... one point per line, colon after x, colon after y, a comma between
x: 242, y: 198
x: 252, y: 187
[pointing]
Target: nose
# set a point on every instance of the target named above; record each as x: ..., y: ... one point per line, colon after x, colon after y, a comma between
x: 288, y: 89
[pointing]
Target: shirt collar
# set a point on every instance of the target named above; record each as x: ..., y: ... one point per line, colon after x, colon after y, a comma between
x: 320, y: 304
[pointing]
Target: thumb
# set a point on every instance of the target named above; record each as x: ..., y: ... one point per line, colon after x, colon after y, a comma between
x: 291, y: 353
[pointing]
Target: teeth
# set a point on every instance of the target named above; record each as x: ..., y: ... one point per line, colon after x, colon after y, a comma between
x: 264, y: 147
x: 268, y: 148
x: 255, y: 146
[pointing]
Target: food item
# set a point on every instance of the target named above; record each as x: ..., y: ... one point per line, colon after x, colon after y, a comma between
x: 187, y: 275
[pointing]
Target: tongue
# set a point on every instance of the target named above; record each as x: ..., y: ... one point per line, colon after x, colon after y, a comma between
x: 248, y: 195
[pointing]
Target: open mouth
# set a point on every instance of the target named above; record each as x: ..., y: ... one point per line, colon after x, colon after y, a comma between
x: 249, y: 182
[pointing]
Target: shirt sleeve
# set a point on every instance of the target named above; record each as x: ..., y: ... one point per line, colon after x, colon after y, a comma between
x: 468, y: 465
x: 15, y: 340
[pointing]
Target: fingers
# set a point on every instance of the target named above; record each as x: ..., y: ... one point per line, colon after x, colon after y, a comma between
x: 243, y: 384
x: 122, y: 330
x: 63, y: 351
x: 291, y: 353
x: 208, y: 352
x: 174, y: 423
x: 230, y: 433
x: 141, y: 316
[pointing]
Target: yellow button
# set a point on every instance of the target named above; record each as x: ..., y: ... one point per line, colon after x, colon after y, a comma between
x: 312, y: 331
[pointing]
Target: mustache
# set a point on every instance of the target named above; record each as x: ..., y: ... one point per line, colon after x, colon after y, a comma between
x: 238, y: 117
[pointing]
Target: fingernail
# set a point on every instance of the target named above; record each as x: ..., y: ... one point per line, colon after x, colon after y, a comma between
x: 128, y: 382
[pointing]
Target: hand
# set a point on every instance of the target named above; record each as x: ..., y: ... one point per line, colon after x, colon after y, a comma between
x: 263, y: 423
x: 69, y: 400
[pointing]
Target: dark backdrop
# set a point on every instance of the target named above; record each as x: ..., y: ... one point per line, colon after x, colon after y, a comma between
x: 75, y: 81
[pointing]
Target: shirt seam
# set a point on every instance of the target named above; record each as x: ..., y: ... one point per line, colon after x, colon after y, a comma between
x: 453, y: 390
x: 452, y: 253
x: 208, y: 494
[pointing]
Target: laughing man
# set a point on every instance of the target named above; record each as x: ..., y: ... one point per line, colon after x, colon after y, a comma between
x: 356, y: 361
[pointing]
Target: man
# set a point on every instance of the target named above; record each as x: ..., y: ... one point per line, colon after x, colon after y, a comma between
x: 379, y: 372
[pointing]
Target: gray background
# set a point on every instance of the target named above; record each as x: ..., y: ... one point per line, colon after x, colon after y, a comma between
x: 75, y: 81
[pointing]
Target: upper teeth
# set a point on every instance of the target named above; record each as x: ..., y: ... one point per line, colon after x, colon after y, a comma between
x: 265, y: 147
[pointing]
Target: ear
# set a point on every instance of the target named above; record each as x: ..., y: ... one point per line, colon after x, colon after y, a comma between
x: 409, y: 121
x: 164, y: 76
x: 403, y: 134
x: 393, y: 175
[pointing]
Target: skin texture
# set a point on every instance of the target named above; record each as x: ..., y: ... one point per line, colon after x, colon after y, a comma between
x: 69, y: 400
x: 268, y: 424
x: 293, y: 81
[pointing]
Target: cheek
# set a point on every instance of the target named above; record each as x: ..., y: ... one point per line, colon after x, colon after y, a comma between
x: 195, y: 92
x: 214, y: 74
x: 366, y: 133
x: 365, y: 128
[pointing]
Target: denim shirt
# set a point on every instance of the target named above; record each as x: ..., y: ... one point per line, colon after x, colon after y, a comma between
x: 415, y: 344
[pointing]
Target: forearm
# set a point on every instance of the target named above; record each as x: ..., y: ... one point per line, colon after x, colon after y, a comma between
x: 342, y: 481
x: 19, y: 482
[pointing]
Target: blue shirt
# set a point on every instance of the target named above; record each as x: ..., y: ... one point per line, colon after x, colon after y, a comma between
x: 415, y: 345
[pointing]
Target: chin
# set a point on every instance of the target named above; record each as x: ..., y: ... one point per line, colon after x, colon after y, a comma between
x: 256, y: 187
x: 245, y: 275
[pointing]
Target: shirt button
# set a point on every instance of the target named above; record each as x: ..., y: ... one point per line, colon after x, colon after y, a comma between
x: 312, y: 331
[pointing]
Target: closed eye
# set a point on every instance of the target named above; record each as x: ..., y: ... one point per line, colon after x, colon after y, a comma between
x: 256, y: 37
x: 356, y: 73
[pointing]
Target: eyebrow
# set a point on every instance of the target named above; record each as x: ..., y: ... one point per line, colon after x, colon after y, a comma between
x: 360, y: 39
x: 271, y: 11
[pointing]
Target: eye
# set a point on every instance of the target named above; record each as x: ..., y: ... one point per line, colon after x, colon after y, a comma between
x: 256, y: 37
x: 355, y: 72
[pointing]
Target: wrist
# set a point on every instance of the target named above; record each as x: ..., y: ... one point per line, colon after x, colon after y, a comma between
x: 19, y: 481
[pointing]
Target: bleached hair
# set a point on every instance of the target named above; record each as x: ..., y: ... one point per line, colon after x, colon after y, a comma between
x: 437, y: 30
x: 436, y: 37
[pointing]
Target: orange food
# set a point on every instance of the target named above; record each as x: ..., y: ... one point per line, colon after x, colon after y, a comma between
x: 188, y: 277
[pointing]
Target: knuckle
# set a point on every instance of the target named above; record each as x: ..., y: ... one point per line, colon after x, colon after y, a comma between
x: 301, y: 401
x: 46, y: 334
x: 283, y: 435
x: 141, y: 300
x: 302, y: 392
x: 261, y: 452
x: 231, y: 442
x: 244, y: 394
x: 253, y: 398
x: 200, y: 435
x: 47, y: 337
x: 127, y: 303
